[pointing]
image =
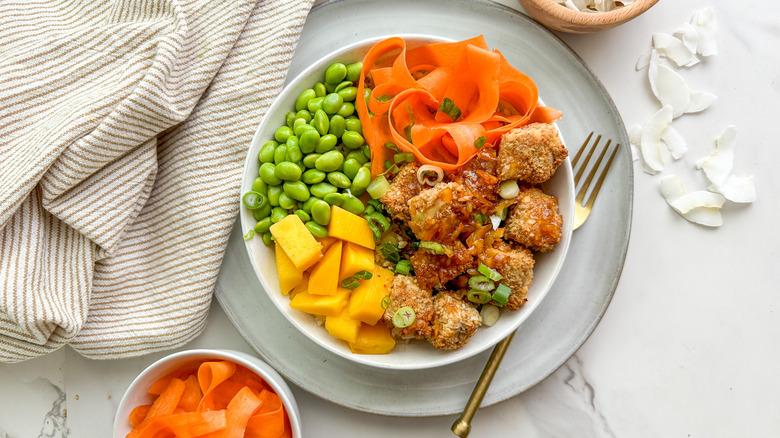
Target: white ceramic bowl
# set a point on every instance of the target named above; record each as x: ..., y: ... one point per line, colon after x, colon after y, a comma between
x: 136, y: 394
x: 414, y: 355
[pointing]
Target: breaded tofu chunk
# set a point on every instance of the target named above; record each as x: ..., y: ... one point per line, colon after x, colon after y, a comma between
x: 530, y: 153
x: 405, y: 292
x: 454, y: 322
x: 403, y: 187
x: 437, y: 213
x: 517, y: 268
x: 534, y: 221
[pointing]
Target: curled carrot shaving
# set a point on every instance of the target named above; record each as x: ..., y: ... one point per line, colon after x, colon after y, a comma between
x: 213, y: 399
x: 442, y: 101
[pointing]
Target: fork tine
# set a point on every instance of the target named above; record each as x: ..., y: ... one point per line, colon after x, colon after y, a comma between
x: 591, y: 174
x: 579, y: 152
x: 597, y: 187
x: 577, y: 157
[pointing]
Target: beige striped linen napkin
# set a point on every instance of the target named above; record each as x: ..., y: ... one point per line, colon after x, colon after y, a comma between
x: 123, y: 130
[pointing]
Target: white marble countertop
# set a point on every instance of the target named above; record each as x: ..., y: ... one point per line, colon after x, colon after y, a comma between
x: 689, y: 345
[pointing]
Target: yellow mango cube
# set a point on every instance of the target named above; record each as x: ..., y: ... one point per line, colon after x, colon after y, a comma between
x: 289, y: 275
x: 373, y: 339
x: 327, y: 305
x: 303, y: 286
x: 365, y: 303
x: 342, y: 327
x: 297, y: 242
x: 355, y: 258
x: 324, y: 276
x: 326, y: 242
x: 350, y: 227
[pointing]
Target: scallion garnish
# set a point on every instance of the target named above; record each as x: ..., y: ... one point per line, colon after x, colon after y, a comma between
x: 254, y: 200
x: 478, y: 143
x: 501, y: 294
x: 489, y: 272
x: 392, y: 147
x: 378, y: 187
x: 249, y: 235
x: 403, y: 317
x: 363, y: 275
x: 385, y: 302
x: 403, y: 267
x: 408, y: 132
x: 448, y: 107
x: 384, y: 98
x: 480, y: 217
x: 479, y: 296
x: 350, y: 283
x: 480, y: 282
x: 378, y: 219
x: 432, y: 247
x: 403, y: 157
x: 390, y: 253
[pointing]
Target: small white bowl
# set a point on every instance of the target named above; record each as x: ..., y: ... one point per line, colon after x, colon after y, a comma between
x: 413, y: 355
x: 136, y: 394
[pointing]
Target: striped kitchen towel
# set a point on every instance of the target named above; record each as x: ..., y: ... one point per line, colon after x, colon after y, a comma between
x: 123, y: 130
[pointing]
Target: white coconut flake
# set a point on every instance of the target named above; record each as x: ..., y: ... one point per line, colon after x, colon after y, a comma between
x: 699, y: 198
x: 737, y: 189
x: 675, y: 142
x: 689, y: 36
x: 698, y: 207
x: 643, y: 60
x: 718, y: 166
x: 704, y: 23
x: 700, y: 101
x: 707, y: 216
x: 495, y: 221
x: 674, y: 50
x: 672, y: 90
x: 650, y: 141
x: 671, y: 188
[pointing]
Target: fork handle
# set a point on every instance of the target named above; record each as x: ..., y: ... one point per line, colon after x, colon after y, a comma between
x: 462, y: 426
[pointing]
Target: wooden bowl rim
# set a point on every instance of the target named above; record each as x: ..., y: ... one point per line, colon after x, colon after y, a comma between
x: 563, y: 13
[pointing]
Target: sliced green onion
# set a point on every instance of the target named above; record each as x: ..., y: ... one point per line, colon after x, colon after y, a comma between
x: 479, y: 296
x: 403, y: 157
x: 254, y: 200
x: 350, y: 283
x: 501, y: 294
x: 404, y: 267
x: 379, y: 220
x: 480, y: 217
x: 384, y: 98
x: 408, y: 132
x: 375, y: 231
x: 249, y: 235
x: 390, y: 253
x: 480, y: 282
x: 501, y: 214
x: 378, y: 187
x: 363, y: 275
x: 489, y: 272
x: 392, y: 146
x: 375, y: 203
x: 388, y: 164
x: 385, y: 302
x: 478, y: 143
x: 448, y: 107
x: 432, y: 247
x: 403, y: 317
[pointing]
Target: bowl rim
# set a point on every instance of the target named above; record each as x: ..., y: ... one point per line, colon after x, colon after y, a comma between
x: 158, y: 368
x: 561, y: 12
x: 247, y: 224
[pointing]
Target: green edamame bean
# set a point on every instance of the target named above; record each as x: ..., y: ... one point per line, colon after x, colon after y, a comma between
x: 268, y: 239
x: 305, y: 217
x: 308, y: 203
x: 342, y: 85
x: 310, y: 159
x: 338, y: 125
x: 303, y: 114
x: 282, y: 133
x: 315, y: 104
x: 331, y: 103
x: 353, y: 124
x: 316, y: 229
x: 309, y: 140
x: 329, y: 161
x: 347, y: 109
x: 298, y: 130
x: 339, y: 180
x: 335, y: 73
x: 351, y: 167
x: 327, y: 143
x: 334, y: 198
x: 277, y: 214
x: 287, y: 171
x: 260, y: 186
x: 294, y: 153
x: 352, y: 139
x: 289, y: 118
x: 262, y: 212
x: 286, y: 202
x: 292, y: 141
x: 320, y: 190
x: 353, y: 205
x: 361, y: 180
x: 296, y: 190
x: 353, y: 71
x: 319, y: 89
x: 266, y: 154
x: 304, y: 98
x: 313, y: 176
x: 357, y: 156
x: 366, y: 151
x: 320, y: 122
x: 348, y: 94
x: 330, y: 88
x: 267, y: 174
x: 320, y: 212
x: 273, y: 195
x: 280, y: 153
x: 263, y: 225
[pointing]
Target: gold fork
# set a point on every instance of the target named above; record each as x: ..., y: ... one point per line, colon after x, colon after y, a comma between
x: 462, y: 426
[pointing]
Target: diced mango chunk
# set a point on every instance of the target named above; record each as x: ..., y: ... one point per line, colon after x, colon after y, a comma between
x: 365, y: 303
x: 289, y: 275
x: 324, y: 276
x: 373, y: 339
x: 303, y: 286
x: 350, y: 227
x: 328, y: 305
x: 297, y: 242
x: 326, y: 242
x: 342, y: 327
x: 355, y: 258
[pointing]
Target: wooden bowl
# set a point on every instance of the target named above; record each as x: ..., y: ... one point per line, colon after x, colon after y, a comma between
x: 559, y: 17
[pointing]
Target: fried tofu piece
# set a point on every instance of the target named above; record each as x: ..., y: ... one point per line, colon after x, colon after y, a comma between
x: 405, y: 292
x: 517, y: 268
x: 534, y: 221
x: 455, y: 321
x: 434, y: 270
x: 530, y: 153
x: 403, y: 187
